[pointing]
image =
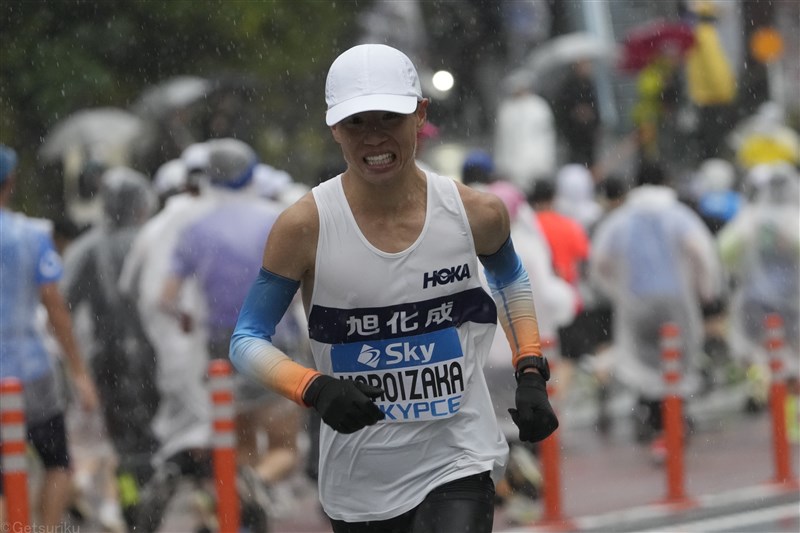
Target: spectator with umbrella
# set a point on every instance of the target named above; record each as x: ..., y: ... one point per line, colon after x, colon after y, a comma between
x: 654, y: 52
x: 563, y: 68
x: 577, y: 113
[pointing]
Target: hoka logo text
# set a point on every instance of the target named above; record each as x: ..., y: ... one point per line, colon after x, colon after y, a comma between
x: 445, y: 276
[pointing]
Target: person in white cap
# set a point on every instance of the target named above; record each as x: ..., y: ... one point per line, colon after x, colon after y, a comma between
x: 386, y: 257
x: 221, y: 251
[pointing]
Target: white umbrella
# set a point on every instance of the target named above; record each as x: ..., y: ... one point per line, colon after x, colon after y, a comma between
x: 171, y: 94
x: 103, y: 133
x: 567, y: 49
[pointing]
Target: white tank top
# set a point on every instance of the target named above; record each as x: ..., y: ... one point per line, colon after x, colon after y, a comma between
x: 418, y: 324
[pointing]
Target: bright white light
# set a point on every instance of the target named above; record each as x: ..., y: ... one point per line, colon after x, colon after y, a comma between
x: 443, y: 81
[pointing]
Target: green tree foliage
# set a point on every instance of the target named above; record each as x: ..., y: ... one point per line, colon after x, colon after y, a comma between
x: 59, y: 56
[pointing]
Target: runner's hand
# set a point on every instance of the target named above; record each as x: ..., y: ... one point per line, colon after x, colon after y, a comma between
x: 345, y: 405
x: 534, y: 416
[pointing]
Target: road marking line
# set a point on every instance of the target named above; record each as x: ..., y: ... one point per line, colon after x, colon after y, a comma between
x: 738, y: 520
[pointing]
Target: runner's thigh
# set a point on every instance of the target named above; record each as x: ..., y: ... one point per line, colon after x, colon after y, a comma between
x: 461, y: 506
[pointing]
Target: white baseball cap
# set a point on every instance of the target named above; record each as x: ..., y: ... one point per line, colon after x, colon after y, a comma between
x: 169, y: 177
x: 371, y: 77
x: 195, y: 157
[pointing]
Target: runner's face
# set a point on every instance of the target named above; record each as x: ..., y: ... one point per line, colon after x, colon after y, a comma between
x: 378, y: 145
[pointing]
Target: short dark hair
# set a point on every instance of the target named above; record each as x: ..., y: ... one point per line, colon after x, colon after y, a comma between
x: 613, y: 187
x: 651, y: 173
x: 543, y: 191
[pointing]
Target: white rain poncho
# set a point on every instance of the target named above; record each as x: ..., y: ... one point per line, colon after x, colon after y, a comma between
x: 760, y: 248
x: 657, y: 262
x: 525, y: 140
x: 184, y: 416
x: 575, y: 195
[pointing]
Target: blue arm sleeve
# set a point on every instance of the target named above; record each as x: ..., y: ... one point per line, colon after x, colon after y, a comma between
x: 265, y: 305
x: 511, y: 289
x: 503, y: 267
x: 252, y: 351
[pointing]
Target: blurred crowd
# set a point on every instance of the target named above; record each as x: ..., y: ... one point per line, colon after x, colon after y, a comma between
x: 692, y: 220
x: 153, y: 289
x: 700, y: 230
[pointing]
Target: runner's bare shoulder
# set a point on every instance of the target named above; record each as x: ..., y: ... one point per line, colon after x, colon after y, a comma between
x: 488, y: 219
x: 292, y: 242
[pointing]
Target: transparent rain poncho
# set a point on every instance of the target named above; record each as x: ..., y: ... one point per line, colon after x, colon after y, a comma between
x: 122, y: 359
x: 760, y: 248
x: 656, y: 260
x: 183, y: 420
x: 93, y: 262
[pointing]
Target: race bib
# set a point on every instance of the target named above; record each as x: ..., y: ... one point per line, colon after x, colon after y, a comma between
x: 422, y: 376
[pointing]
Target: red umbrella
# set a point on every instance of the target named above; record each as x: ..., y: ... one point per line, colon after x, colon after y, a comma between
x: 646, y: 42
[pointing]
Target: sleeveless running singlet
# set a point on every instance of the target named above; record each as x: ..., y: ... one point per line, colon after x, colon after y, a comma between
x: 418, y: 324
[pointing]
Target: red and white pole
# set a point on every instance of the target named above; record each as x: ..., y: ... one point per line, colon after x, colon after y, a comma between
x: 774, y: 345
x: 672, y: 412
x: 550, y: 452
x: 223, y: 441
x: 15, y: 464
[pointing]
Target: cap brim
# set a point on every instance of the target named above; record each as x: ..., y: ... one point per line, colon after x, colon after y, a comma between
x: 373, y: 102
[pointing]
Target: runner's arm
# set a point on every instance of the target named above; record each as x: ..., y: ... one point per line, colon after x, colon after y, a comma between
x: 511, y: 289
x: 507, y: 277
x: 252, y: 351
x: 60, y: 320
x: 288, y: 262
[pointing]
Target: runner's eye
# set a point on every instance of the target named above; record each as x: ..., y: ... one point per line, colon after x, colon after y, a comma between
x: 391, y: 118
x: 354, y: 120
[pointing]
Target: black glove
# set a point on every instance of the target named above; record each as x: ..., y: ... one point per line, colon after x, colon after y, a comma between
x: 533, y: 416
x: 345, y: 405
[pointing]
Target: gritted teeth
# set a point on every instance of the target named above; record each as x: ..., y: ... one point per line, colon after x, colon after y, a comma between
x: 383, y: 159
